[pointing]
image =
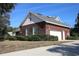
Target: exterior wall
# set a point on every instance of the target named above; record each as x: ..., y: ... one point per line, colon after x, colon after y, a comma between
x: 57, y: 28
x: 12, y: 34
x: 40, y: 28
x: 31, y: 19
x: 44, y: 28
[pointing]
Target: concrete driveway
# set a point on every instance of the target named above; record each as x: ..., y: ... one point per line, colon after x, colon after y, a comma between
x: 64, y: 49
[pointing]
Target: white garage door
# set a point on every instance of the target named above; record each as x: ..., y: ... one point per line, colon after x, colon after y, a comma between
x: 56, y: 33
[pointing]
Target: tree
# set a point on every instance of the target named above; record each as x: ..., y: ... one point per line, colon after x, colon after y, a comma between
x: 76, y: 27
x: 4, y: 22
x: 5, y: 9
x: 75, y: 30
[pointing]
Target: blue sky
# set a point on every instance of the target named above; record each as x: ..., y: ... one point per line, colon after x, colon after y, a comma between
x: 66, y: 12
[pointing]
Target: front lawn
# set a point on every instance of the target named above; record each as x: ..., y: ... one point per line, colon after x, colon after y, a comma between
x: 10, y: 46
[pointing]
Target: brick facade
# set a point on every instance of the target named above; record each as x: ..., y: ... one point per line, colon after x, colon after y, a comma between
x: 57, y: 28
x: 40, y: 28
x: 44, y: 28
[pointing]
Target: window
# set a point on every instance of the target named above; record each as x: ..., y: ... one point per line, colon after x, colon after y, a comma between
x: 35, y: 30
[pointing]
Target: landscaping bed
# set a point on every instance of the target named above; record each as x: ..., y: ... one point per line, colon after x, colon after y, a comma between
x: 32, y: 38
x: 10, y: 46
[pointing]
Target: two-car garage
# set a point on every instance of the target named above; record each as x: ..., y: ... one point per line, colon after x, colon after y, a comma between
x: 59, y: 34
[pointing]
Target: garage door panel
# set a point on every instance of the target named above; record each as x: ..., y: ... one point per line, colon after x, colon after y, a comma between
x: 56, y: 33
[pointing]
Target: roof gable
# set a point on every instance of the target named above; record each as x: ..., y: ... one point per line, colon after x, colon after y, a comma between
x: 36, y: 17
x: 30, y: 19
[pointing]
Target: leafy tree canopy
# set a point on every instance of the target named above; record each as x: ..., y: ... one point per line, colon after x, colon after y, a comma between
x: 5, y: 9
x: 76, y: 27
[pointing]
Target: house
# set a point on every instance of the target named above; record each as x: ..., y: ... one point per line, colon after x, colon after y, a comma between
x: 11, y: 33
x: 36, y: 23
x: 14, y: 32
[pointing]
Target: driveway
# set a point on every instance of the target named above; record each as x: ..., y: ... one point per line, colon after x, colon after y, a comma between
x: 64, y: 49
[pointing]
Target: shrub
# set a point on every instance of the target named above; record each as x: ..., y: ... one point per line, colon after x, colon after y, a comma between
x: 70, y: 38
x: 33, y: 38
x: 53, y: 38
x: 73, y: 38
x: 2, y: 38
x: 41, y: 38
x: 21, y: 38
x: 11, y: 38
x: 75, y: 34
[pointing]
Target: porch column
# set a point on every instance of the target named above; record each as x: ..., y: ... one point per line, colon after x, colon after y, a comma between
x: 63, y: 32
x: 33, y: 30
x: 26, y: 32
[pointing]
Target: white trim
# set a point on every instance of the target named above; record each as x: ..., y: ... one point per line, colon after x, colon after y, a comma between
x: 63, y: 32
x: 57, y: 24
x: 26, y: 32
x: 33, y: 30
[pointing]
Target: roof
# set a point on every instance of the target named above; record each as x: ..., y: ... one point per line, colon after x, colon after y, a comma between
x: 50, y: 19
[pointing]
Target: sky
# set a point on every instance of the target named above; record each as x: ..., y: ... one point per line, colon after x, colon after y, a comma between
x: 66, y: 12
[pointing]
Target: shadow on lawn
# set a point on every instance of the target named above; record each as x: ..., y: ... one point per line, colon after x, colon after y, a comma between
x: 66, y: 50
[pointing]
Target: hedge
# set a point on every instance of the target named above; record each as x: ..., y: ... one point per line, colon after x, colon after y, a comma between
x: 34, y: 38
x: 21, y: 38
x: 73, y: 38
x: 11, y: 38
x: 2, y: 38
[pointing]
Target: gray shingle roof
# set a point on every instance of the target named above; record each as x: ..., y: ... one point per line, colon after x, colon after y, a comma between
x: 52, y: 20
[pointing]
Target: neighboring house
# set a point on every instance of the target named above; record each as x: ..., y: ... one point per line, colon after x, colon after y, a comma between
x: 14, y: 32
x: 36, y: 23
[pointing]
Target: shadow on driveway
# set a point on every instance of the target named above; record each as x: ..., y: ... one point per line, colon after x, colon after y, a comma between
x: 66, y: 50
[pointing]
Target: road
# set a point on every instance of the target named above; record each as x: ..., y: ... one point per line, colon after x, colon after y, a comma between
x: 64, y: 49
